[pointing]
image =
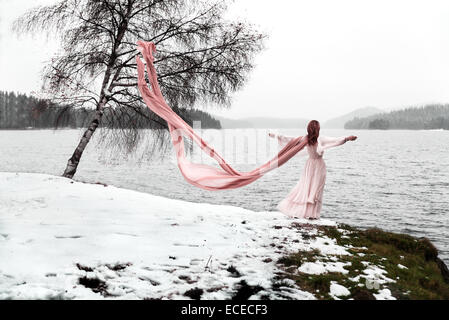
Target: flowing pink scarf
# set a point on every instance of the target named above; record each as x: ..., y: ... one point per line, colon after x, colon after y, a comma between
x: 200, y: 175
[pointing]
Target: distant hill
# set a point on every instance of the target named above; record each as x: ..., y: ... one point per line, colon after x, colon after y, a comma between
x: 262, y: 122
x: 233, y: 123
x: 435, y: 116
x: 339, y: 122
x: 207, y: 120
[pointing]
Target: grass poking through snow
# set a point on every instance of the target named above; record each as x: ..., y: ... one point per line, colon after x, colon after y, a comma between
x: 379, y: 261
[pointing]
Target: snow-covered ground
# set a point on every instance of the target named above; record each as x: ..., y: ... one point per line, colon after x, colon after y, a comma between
x: 54, y: 232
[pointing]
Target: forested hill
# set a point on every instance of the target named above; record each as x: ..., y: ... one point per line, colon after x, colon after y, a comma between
x: 20, y: 111
x: 207, y: 121
x: 339, y: 122
x: 435, y: 116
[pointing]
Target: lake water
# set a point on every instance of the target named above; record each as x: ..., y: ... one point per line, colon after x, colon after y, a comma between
x: 395, y: 180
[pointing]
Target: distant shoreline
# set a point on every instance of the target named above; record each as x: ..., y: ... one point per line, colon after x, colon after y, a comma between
x: 429, y: 117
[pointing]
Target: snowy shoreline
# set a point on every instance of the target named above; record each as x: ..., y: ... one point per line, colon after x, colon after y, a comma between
x: 62, y: 239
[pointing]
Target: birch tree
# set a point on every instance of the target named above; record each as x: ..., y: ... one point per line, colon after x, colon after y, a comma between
x: 201, y: 57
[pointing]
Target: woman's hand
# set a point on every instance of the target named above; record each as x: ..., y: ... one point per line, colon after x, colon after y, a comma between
x: 351, y: 138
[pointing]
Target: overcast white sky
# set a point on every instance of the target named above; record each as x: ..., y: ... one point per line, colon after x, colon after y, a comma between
x: 323, y: 58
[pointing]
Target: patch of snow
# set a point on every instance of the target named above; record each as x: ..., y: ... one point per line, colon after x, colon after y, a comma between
x: 343, y: 231
x: 384, y: 294
x: 312, y: 268
x: 320, y: 267
x: 328, y: 246
x: 55, y: 231
x: 376, y: 273
x: 318, y: 222
x: 337, y: 290
x: 375, y: 278
x: 400, y: 266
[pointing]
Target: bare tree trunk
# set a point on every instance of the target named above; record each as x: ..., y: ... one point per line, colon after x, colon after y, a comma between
x: 74, y: 160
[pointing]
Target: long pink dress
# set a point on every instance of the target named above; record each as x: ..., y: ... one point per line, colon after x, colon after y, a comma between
x: 305, y: 199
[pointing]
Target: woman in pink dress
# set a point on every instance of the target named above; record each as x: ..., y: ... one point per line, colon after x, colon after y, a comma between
x: 305, y: 199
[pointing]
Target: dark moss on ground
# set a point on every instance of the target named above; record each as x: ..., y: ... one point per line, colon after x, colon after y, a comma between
x: 84, y: 268
x: 245, y: 291
x: 299, y: 258
x: 194, y: 293
x: 411, y: 262
x: 118, y: 266
x: 362, y: 294
x: 95, y: 284
x: 233, y: 270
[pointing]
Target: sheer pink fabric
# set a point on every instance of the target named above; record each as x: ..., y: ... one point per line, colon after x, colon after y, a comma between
x: 200, y: 175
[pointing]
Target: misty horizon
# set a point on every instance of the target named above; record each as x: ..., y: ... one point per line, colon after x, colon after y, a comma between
x: 322, y: 59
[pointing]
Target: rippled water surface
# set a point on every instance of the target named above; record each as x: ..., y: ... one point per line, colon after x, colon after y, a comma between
x: 395, y: 180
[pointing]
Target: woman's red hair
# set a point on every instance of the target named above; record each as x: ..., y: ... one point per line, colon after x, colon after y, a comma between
x: 313, y: 131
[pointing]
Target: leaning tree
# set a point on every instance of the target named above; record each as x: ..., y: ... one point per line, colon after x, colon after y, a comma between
x: 201, y: 57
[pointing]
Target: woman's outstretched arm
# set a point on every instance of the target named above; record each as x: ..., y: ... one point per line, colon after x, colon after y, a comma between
x: 283, y: 140
x: 330, y: 142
